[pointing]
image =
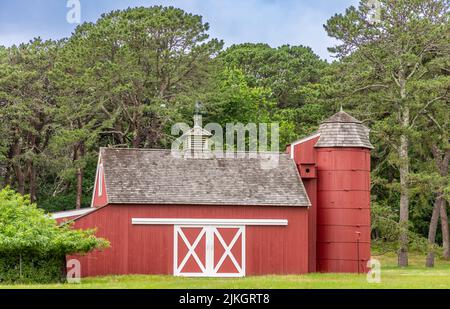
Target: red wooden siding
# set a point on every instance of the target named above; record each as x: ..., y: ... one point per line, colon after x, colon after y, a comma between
x: 305, y: 158
x: 337, y: 181
x: 148, y: 249
x: 343, y: 218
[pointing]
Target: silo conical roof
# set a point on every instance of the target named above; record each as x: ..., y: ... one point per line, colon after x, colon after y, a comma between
x: 343, y: 130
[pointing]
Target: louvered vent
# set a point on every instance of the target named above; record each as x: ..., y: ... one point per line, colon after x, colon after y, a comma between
x: 196, y: 140
x: 198, y: 143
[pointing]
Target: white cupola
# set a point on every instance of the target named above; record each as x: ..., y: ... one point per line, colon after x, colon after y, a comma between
x: 196, y: 140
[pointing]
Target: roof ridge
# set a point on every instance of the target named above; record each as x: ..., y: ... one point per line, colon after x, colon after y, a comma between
x: 132, y: 148
x: 168, y: 149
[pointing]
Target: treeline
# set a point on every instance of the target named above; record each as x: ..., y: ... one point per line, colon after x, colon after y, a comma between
x: 124, y: 80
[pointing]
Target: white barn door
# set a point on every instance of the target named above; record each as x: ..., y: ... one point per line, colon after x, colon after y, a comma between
x: 209, y: 251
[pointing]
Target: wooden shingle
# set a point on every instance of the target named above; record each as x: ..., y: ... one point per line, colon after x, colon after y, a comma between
x: 342, y: 130
x: 144, y: 176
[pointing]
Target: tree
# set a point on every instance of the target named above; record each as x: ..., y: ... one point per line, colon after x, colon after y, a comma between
x: 143, y: 62
x: 26, y: 231
x: 285, y: 70
x: 122, y: 80
x: 435, y: 140
x: 27, y: 102
x: 435, y: 119
x: 4, y: 128
x: 79, y: 119
x: 293, y: 78
x: 391, y: 54
x: 233, y: 100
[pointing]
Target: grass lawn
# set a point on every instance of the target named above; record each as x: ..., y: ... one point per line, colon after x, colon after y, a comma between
x: 415, y: 276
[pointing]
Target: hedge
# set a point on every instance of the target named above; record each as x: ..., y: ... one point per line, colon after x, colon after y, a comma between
x: 32, y: 269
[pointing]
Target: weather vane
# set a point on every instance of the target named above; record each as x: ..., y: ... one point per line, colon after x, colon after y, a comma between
x: 198, y: 107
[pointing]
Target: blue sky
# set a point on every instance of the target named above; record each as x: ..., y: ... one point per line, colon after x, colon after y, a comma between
x: 275, y: 22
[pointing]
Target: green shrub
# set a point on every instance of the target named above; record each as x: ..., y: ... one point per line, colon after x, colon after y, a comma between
x: 32, y: 245
x: 31, y: 269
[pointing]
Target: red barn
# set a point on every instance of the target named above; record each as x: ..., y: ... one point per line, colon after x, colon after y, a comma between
x: 230, y: 217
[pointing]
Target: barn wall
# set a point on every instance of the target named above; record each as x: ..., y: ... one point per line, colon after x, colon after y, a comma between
x: 148, y: 249
x: 305, y: 158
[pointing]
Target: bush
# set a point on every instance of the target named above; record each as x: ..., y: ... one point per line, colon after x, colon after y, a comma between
x: 32, y: 245
x: 32, y: 269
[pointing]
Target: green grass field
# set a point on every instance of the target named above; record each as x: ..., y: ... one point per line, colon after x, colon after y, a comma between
x: 415, y: 276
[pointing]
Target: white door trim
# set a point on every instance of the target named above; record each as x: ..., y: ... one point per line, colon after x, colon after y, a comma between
x: 208, y: 270
x: 203, y: 222
x: 191, y: 250
x: 227, y: 253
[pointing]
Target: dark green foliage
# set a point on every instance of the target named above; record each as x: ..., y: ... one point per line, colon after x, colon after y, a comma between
x: 62, y: 195
x: 385, y: 230
x: 289, y: 82
x: 31, y: 269
x: 285, y: 70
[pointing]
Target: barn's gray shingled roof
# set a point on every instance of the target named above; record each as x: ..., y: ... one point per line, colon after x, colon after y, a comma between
x: 342, y: 130
x: 138, y: 176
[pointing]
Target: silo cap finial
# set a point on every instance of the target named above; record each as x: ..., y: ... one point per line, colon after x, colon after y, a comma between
x: 342, y: 109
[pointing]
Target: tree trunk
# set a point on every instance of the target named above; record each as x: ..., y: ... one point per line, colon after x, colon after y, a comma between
x: 79, y: 153
x: 441, y: 160
x: 63, y: 268
x: 137, y: 139
x: 7, y: 179
x: 444, y: 227
x: 445, y: 232
x: 32, y: 181
x: 404, y: 192
x: 80, y: 174
x: 432, y: 232
x: 32, y: 169
x: 120, y: 138
x: 20, y: 178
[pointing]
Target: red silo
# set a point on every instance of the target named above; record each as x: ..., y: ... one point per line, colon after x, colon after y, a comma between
x: 343, y: 195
